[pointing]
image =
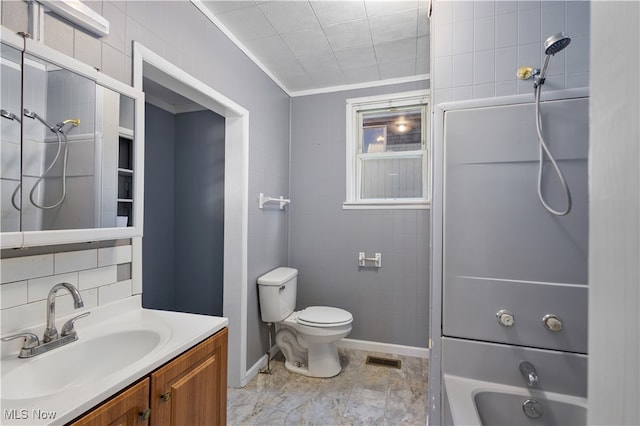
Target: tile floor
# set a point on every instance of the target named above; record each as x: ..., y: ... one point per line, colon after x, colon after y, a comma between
x: 360, y: 395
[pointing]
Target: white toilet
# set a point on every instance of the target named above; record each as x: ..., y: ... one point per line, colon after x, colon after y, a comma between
x: 308, y: 337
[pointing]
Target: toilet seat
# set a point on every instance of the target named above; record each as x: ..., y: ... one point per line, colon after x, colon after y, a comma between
x: 324, y: 316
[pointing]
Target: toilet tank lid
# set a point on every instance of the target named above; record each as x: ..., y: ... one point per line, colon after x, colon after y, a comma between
x: 278, y: 276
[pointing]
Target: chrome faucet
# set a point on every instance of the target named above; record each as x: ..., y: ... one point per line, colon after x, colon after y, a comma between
x: 50, y: 333
x: 530, y: 374
x: 32, y: 346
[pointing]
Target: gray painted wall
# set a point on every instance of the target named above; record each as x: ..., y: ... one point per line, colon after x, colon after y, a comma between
x: 180, y: 33
x: 389, y: 304
x: 199, y: 212
x: 158, y: 244
x: 183, y: 248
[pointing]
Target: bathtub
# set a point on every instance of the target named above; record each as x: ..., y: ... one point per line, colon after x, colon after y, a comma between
x: 476, y: 402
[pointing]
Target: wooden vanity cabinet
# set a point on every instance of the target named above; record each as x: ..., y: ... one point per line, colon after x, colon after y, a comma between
x: 192, y: 389
x: 126, y: 409
x: 189, y: 390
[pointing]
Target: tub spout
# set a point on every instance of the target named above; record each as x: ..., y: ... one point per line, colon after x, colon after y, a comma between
x: 530, y: 374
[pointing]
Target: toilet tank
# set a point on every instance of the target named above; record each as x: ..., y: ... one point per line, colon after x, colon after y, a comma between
x: 277, y: 292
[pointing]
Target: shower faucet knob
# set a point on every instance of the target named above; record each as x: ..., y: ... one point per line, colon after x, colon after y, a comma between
x: 552, y: 322
x: 505, y: 318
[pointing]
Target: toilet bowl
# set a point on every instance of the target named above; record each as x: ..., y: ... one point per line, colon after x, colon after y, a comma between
x: 307, y: 337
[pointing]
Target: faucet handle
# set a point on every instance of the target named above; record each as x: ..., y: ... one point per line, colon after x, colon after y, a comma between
x: 30, y: 340
x: 67, y: 328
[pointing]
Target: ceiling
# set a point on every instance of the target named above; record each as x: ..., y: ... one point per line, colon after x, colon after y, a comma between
x: 315, y: 45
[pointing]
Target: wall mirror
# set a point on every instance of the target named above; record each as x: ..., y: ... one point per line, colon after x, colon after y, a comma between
x: 70, y: 150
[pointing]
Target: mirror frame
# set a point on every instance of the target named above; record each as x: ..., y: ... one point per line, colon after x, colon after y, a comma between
x: 20, y: 239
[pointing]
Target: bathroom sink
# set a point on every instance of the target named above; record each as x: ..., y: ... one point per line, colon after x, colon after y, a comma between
x: 118, y: 344
x: 77, y: 363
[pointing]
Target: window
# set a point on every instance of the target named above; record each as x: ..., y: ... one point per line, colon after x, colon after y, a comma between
x: 387, y: 151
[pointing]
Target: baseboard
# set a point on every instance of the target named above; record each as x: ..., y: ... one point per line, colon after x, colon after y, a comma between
x: 259, y: 365
x: 387, y: 348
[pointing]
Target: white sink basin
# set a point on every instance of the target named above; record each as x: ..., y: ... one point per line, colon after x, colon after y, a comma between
x: 77, y: 363
x: 117, y: 344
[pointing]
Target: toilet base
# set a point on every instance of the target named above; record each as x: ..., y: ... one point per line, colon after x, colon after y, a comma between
x: 323, y: 361
x: 318, y: 359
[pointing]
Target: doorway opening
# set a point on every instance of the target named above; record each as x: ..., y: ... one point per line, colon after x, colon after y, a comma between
x: 152, y: 71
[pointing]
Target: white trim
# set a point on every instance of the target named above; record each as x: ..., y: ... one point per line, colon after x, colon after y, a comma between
x: 391, y: 205
x: 205, y: 10
x: 353, y: 107
x: 364, y: 85
x: 236, y: 188
x: 259, y: 365
x: 254, y: 370
x: 386, y: 348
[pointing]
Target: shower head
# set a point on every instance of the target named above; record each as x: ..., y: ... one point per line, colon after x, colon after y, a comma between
x: 9, y: 115
x: 33, y: 115
x: 552, y: 45
x: 556, y: 43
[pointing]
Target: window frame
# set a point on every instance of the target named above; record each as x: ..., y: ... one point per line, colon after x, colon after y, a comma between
x: 354, y: 106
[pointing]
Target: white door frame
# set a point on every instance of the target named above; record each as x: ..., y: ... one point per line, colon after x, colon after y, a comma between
x: 147, y: 63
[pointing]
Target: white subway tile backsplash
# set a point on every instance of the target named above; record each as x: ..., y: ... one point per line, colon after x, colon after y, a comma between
x: 13, y: 294
x: 114, y: 255
x: 117, y: 23
x: 75, y: 261
x: 58, y: 34
x: 38, y: 288
x: 22, y: 316
x: 24, y: 268
x: 97, y: 277
x: 113, y: 292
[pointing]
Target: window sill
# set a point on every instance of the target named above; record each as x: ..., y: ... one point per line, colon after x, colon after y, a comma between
x: 386, y: 205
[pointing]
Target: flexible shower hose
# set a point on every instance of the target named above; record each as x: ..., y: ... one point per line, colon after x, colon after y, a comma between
x: 44, y: 175
x: 545, y: 150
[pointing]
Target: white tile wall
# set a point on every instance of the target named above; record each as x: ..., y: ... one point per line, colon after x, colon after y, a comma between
x: 26, y: 281
x: 478, y: 46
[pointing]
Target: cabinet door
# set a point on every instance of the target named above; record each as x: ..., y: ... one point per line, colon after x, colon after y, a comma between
x: 192, y: 389
x: 127, y: 409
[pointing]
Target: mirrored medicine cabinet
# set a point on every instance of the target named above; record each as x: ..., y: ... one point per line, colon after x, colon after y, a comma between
x: 71, y: 146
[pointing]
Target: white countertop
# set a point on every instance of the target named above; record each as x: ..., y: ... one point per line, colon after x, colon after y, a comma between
x: 178, y: 332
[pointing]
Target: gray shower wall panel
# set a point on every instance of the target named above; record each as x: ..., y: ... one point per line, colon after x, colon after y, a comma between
x: 502, y: 249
